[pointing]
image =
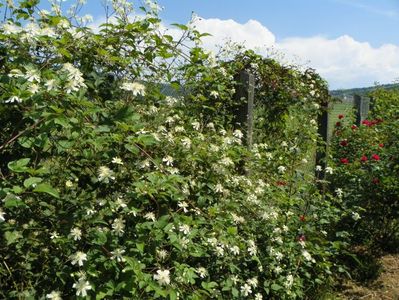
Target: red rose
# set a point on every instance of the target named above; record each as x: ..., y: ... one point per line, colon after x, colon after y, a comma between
x: 354, y: 127
x: 301, y: 238
x: 367, y: 123
x: 302, y: 218
x: 381, y: 145
x: 376, y: 181
x: 340, y: 117
x: 364, y: 158
x: 375, y: 157
x: 338, y: 124
x: 344, y: 143
x: 345, y: 161
x: 370, y: 123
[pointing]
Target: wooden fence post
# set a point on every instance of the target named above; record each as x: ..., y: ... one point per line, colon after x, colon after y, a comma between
x: 357, y: 101
x: 322, y: 145
x: 244, y: 115
x: 362, y: 106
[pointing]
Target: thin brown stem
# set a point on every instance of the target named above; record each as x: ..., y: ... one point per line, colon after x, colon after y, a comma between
x: 20, y: 133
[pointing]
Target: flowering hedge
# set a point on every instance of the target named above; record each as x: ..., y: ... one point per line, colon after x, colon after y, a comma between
x: 112, y: 189
x: 366, y: 162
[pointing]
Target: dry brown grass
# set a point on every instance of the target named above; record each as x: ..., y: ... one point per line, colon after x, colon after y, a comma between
x: 386, y: 287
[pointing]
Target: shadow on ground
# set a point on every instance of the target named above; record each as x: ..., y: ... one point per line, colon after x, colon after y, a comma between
x: 386, y: 287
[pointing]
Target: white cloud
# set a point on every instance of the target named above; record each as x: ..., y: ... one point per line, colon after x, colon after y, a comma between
x: 343, y: 62
x: 253, y: 34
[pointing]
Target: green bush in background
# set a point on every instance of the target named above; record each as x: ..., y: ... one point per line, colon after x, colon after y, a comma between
x: 365, y: 159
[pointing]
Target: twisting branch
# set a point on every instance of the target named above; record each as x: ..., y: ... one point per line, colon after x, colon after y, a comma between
x: 20, y: 133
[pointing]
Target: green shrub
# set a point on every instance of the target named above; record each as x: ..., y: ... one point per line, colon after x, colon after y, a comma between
x: 366, y: 161
x: 112, y: 189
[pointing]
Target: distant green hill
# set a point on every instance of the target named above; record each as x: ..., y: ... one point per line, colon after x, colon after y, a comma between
x: 348, y: 93
x: 343, y: 94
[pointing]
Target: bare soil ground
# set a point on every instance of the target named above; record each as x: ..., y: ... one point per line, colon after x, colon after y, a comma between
x: 386, y: 287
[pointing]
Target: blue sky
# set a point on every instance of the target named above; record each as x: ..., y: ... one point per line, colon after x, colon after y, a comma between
x: 373, y: 21
x: 351, y: 43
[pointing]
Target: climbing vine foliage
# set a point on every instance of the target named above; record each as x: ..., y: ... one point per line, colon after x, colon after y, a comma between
x: 123, y: 175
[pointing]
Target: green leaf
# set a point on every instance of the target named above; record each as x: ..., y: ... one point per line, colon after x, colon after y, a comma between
x: 65, y: 52
x: 63, y: 121
x: 40, y: 171
x: 180, y: 26
x: 19, y: 166
x: 172, y: 295
x: 32, y: 181
x: 232, y: 230
x: 140, y: 247
x: 46, y: 188
x: 65, y: 144
x: 100, y: 238
x: 101, y: 295
x: 209, y: 286
x: 133, y: 149
x: 13, y: 201
x: 17, y: 189
x: 26, y: 142
x: 276, y: 287
x: 12, y: 237
x: 146, y: 140
x: 102, y: 128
